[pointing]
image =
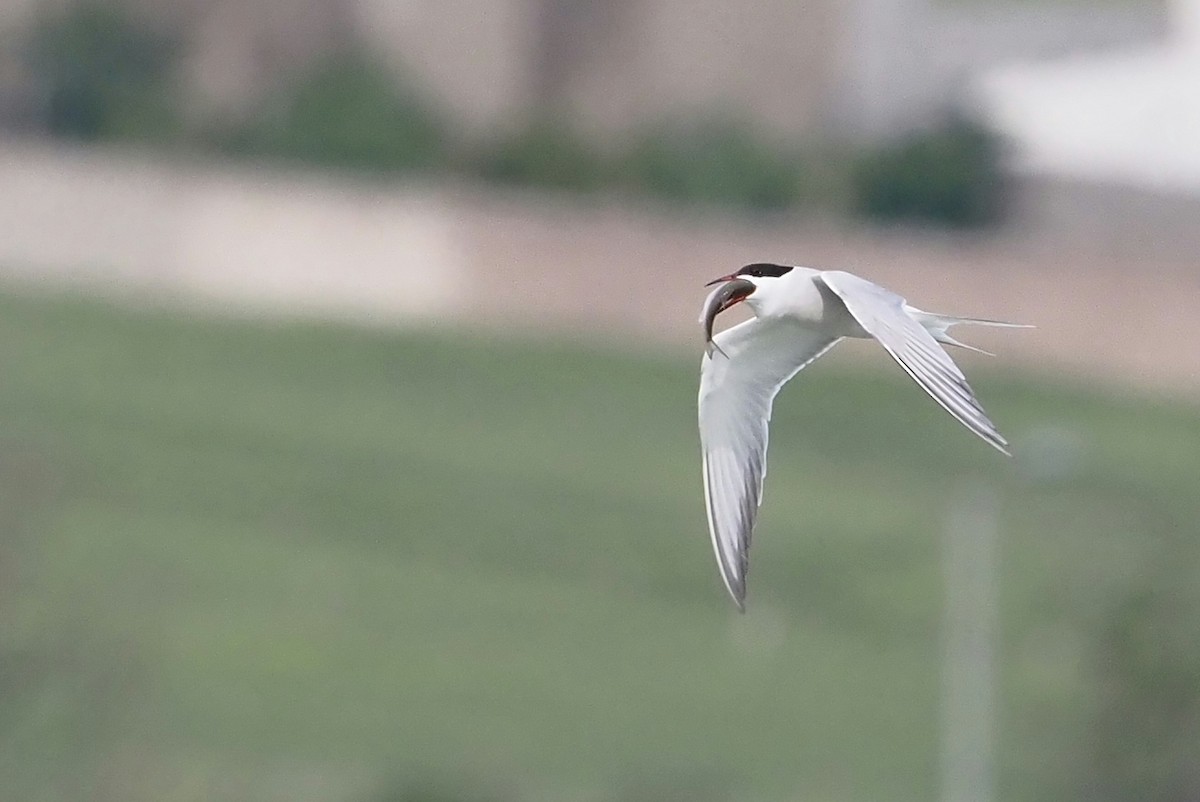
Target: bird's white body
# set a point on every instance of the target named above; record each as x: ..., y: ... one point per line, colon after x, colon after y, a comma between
x: 799, y: 314
x: 800, y: 298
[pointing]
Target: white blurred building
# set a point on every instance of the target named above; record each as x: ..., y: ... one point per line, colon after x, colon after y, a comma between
x: 1108, y: 145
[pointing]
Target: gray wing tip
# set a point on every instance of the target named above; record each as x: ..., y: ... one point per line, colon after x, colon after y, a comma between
x: 735, y: 585
x: 988, y: 433
x: 739, y: 597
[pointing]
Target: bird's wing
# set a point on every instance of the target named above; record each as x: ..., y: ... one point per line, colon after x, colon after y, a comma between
x: 883, y: 315
x: 738, y: 384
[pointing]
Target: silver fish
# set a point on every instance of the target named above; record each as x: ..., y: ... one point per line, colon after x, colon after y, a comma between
x: 720, y: 299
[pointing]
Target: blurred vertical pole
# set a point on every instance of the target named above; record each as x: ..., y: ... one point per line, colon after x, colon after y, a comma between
x: 969, y: 638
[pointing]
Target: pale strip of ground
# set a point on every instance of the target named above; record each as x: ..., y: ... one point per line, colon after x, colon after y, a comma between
x: 1129, y: 321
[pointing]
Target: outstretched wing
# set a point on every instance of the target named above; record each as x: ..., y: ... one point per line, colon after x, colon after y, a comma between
x: 738, y: 384
x: 883, y: 315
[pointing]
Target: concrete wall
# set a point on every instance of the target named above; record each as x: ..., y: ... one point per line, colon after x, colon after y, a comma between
x: 295, y: 242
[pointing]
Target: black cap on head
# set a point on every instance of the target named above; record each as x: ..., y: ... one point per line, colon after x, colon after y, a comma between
x: 761, y: 269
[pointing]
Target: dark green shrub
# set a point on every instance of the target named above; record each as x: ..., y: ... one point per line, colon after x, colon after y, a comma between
x: 347, y: 112
x: 101, y: 76
x: 715, y: 162
x: 706, y: 162
x: 950, y: 176
x: 546, y: 153
x: 435, y: 789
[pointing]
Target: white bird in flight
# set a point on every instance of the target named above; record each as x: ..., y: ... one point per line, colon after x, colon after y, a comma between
x: 799, y: 314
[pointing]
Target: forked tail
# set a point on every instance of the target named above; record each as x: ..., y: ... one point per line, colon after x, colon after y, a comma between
x: 939, y: 326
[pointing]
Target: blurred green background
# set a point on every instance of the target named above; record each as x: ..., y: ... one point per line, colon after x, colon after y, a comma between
x: 456, y: 550
x: 308, y: 562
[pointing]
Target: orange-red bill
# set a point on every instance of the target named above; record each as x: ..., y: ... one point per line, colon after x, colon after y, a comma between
x: 730, y: 277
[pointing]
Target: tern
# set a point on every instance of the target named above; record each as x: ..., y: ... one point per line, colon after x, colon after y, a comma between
x: 799, y: 314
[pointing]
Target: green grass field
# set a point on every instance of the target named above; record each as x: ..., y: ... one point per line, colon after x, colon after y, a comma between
x: 290, y: 562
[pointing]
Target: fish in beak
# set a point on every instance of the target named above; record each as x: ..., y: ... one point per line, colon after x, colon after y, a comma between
x: 732, y: 291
